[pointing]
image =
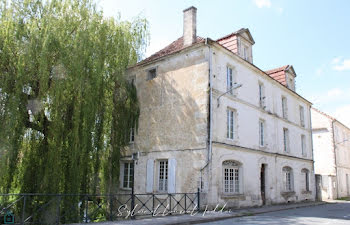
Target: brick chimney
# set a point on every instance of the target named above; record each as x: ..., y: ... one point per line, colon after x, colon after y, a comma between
x: 190, y: 26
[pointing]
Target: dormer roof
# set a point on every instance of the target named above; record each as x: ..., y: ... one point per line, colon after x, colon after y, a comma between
x: 243, y: 32
x: 279, y: 74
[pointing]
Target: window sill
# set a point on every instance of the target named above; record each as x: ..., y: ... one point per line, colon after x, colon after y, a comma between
x: 233, y: 196
x: 287, y: 194
x: 125, y: 189
x: 306, y: 192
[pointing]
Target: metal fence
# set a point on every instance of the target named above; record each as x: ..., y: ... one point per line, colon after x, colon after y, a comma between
x: 85, y: 208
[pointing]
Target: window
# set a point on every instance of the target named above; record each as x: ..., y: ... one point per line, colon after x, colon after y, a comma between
x: 128, y: 174
x: 285, y: 140
x: 132, y: 135
x: 303, y: 147
x: 301, y: 113
x: 229, y: 79
x: 261, y: 133
x: 231, y: 182
x: 261, y: 95
x: 230, y: 124
x: 287, y: 179
x: 284, y: 108
x: 245, y: 52
x: 306, y: 175
x: 151, y: 74
x: 163, y: 175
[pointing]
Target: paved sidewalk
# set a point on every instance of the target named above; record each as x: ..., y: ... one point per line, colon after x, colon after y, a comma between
x: 209, y: 216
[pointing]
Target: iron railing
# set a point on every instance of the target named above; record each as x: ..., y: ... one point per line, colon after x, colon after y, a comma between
x: 85, y: 208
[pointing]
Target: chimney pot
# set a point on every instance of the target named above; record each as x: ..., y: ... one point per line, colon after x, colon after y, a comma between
x: 190, y: 26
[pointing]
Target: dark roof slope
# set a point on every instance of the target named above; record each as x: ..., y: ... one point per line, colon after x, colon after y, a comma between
x: 175, y: 46
x: 279, y: 74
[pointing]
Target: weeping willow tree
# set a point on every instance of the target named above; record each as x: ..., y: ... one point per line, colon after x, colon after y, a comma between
x: 66, y: 108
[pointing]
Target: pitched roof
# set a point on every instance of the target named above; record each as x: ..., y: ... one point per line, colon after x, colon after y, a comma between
x: 175, y: 46
x: 279, y: 74
x: 323, y: 113
x: 240, y: 31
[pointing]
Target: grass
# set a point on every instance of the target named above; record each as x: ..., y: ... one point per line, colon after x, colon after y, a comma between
x: 344, y: 198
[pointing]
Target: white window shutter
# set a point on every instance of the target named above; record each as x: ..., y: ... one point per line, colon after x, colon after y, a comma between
x: 149, y: 176
x: 172, y: 176
x: 240, y: 178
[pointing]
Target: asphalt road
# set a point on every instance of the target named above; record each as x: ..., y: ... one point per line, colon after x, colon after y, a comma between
x: 332, y: 214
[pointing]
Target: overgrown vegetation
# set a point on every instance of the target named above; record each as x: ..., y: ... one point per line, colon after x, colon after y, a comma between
x: 66, y: 108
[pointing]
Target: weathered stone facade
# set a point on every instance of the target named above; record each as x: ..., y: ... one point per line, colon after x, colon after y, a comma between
x: 332, y: 155
x: 183, y: 120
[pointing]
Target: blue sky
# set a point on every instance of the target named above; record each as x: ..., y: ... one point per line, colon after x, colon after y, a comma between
x: 311, y: 35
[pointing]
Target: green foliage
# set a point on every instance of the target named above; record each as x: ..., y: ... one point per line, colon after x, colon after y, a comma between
x: 66, y: 108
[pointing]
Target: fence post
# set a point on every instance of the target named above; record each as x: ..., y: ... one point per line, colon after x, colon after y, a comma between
x: 198, y: 199
x: 59, y: 210
x: 23, y: 209
x: 153, y: 205
x: 132, y: 204
x: 185, y: 203
x: 170, y: 211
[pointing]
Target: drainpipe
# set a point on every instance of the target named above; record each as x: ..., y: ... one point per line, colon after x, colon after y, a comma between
x: 312, y: 152
x: 335, y: 158
x: 210, y: 110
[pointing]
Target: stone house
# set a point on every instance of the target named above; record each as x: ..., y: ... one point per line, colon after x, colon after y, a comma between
x: 211, y: 119
x: 331, y: 141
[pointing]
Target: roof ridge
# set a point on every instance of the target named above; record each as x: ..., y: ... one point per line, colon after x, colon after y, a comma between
x: 173, y: 47
x: 277, y: 69
x: 323, y: 113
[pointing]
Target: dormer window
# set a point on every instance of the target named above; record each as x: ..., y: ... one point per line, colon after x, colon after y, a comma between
x: 245, y: 52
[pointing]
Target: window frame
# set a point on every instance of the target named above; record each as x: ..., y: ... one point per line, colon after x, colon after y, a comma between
x: 284, y: 107
x: 229, y: 79
x: 150, y: 75
x: 231, y: 177
x: 230, y: 123
x: 303, y: 144
x: 262, y: 97
x: 302, y: 116
x: 262, y: 133
x: 165, y: 171
x: 306, y: 175
x: 132, y: 135
x: 286, y: 140
x: 288, y: 185
x: 129, y: 175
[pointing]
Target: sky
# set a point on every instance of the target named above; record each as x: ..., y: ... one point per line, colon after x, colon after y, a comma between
x: 311, y: 35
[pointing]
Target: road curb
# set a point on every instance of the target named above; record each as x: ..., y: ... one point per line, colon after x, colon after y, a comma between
x: 243, y: 214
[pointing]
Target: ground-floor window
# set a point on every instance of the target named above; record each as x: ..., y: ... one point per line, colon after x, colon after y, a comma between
x: 306, y: 175
x: 288, y: 178
x: 231, y: 177
x: 128, y: 168
x: 163, y: 175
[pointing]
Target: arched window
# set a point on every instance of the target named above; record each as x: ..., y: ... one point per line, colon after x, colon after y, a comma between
x: 232, y: 177
x: 306, y: 175
x: 287, y: 178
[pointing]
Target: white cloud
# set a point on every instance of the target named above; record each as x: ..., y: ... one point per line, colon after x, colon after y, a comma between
x: 280, y: 10
x: 319, y: 71
x: 336, y: 60
x: 334, y: 93
x: 342, y: 114
x: 330, y: 96
x: 262, y: 3
x: 340, y: 64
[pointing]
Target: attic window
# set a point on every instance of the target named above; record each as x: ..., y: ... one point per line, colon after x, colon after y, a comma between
x: 151, y: 74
